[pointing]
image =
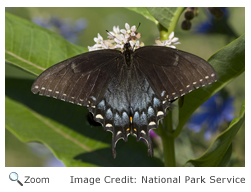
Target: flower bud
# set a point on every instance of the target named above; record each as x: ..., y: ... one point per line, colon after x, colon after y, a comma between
x: 189, y: 15
x: 186, y: 25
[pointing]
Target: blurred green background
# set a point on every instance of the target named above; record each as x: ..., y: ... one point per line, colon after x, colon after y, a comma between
x: 188, y: 144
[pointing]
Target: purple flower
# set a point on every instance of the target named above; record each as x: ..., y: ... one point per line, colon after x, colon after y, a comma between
x: 153, y: 134
x: 63, y: 26
x: 215, y: 111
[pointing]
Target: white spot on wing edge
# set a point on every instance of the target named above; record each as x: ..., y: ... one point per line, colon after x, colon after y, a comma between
x: 119, y: 132
x: 152, y: 123
x: 160, y: 113
x: 108, y: 125
x: 36, y: 87
x: 142, y: 131
x: 98, y: 116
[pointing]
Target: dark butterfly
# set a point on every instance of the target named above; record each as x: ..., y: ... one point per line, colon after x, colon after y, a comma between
x: 127, y: 92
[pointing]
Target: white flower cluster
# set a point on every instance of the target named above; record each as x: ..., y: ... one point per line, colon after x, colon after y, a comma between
x: 118, y: 38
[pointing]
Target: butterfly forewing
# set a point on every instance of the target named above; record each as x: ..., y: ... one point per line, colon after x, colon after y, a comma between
x: 77, y: 78
x: 173, y: 73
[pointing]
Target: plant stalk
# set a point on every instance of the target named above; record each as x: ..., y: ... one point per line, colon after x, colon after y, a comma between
x: 166, y: 131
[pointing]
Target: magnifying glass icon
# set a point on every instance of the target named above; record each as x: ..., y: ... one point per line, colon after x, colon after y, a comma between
x: 14, y: 177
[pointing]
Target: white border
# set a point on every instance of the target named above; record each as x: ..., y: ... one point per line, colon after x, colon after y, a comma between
x: 60, y: 177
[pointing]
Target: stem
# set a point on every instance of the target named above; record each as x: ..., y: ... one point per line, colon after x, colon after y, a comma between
x: 181, y: 122
x: 166, y: 131
x: 163, y: 32
x: 175, y: 18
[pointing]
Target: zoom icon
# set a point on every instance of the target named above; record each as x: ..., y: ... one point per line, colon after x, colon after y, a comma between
x: 14, y: 177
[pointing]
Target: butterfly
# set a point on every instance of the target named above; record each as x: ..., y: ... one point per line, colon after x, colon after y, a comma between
x: 127, y: 92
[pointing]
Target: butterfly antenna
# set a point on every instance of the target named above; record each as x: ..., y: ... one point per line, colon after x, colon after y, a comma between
x: 109, y: 32
x: 138, y: 26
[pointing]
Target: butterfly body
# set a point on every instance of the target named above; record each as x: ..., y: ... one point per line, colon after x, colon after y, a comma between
x: 127, y: 92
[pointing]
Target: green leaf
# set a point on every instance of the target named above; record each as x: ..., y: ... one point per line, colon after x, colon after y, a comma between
x: 229, y: 63
x: 143, y: 11
x: 218, y: 154
x: 59, y: 125
x: 34, y: 48
x: 166, y: 16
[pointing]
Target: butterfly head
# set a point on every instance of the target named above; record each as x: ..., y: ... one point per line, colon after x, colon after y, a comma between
x: 128, y: 47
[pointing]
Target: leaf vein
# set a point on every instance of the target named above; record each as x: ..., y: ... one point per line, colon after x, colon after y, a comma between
x: 24, y: 60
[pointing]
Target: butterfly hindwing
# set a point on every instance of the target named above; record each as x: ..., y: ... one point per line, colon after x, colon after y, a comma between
x: 129, y: 106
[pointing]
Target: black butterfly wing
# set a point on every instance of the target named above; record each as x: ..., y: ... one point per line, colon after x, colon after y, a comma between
x: 137, y: 98
x: 146, y: 108
x: 162, y: 75
x: 80, y: 80
x: 129, y: 106
x: 173, y: 73
x: 124, y: 98
x: 113, y: 109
